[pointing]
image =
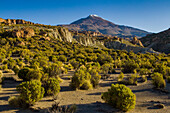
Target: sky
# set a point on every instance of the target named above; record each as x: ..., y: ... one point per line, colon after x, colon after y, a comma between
x: 149, y: 15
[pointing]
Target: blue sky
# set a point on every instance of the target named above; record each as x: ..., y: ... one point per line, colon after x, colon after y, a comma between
x: 150, y: 15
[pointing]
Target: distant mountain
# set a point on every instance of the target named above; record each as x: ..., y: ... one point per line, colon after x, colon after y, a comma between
x: 158, y: 41
x: 98, y: 24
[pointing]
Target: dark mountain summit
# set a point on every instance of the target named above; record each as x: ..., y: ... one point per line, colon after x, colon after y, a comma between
x: 158, y: 41
x: 98, y: 24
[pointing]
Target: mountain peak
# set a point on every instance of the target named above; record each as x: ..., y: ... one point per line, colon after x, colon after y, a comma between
x: 93, y: 15
x: 98, y: 24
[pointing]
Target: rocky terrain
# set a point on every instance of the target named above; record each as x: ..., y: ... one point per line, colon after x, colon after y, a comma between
x: 158, y: 41
x: 98, y: 24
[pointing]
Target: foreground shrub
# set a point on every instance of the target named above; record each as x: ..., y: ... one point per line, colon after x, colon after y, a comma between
x: 80, y: 78
x: 120, y: 97
x: 30, y: 91
x: 158, y: 81
x: 51, y: 86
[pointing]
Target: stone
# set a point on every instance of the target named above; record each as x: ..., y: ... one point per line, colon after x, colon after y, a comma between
x: 159, y: 106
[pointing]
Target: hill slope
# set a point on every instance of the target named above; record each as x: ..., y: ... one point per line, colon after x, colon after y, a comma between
x: 98, y: 24
x: 158, y: 41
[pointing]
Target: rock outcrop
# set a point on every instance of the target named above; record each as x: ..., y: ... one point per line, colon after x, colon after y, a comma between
x: 135, y: 41
x: 23, y: 32
x: 14, y: 21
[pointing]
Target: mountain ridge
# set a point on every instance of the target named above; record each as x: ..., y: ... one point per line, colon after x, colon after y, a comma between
x: 98, y: 24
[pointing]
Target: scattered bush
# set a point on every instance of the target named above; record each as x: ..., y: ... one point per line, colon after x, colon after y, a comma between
x: 120, y: 96
x: 30, y: 91
x: 158, y: 81
x: 51, y: 86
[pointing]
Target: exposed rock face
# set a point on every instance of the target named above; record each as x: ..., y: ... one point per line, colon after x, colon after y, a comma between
x: 87, y: 41
x: 62, y: 34
x: 137, y: 42
x: 121, y: 46
x: 158, y: 41
x: 23, y: 32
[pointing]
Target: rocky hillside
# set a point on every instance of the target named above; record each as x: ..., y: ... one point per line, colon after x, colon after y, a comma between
x: 158, y: 41
x: 98, y: 24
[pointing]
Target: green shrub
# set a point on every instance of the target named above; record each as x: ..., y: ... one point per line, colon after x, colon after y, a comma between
x: 121, y: 76
x: 30, y: 91
x: 95, y: 77
x: 158, y: 81
x: 144, y: 71
x: 55, y: 69
x: 130, y: 66
x: 33, y: 74
x: 87, y: 85
x: 23, y: 72
x: 80, y: 78
x: 51, y: 86
x: 120, y: 97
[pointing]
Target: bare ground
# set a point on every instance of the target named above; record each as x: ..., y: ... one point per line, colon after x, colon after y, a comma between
x: 89, y: 101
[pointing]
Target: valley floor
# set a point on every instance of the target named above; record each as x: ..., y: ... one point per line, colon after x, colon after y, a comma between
x: 90, y: 101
